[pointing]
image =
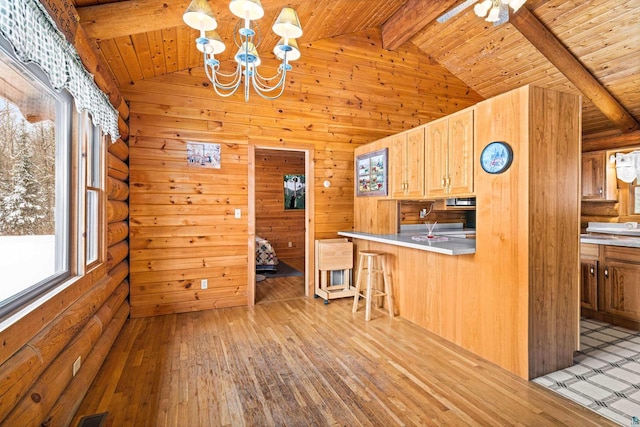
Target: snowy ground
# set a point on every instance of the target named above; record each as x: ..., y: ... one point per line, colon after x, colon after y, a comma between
x: 24, y: 261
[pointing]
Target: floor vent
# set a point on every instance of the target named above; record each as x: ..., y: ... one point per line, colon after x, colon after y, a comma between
x: 97, y: 420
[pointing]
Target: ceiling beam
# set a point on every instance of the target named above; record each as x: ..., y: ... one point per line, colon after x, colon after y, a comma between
x: 551, y: 48
x: 410, y: 19
x: 111, y: 20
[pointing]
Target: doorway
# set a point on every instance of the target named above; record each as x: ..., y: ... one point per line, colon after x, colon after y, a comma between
x: 280, y: 223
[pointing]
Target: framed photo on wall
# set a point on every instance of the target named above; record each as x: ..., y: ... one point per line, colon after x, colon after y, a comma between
x: 294, y: 192
x: 372, y: 173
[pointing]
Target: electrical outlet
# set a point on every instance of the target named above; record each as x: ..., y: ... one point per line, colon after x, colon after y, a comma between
x: 238, y: 213
x: 423, y: 213
x: 290, y: 244
x: 76, y: 365
x: 204, y: 284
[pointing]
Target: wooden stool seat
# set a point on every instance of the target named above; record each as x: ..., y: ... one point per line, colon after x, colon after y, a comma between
x: 376, y: 263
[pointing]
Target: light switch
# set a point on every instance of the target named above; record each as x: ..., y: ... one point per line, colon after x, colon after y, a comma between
x: 238, y: 213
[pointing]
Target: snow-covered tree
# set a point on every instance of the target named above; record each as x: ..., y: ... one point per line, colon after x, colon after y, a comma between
x: 27, y: 175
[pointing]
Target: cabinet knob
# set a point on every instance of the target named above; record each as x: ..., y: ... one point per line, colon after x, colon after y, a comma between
x: 444, y: 181
x: 600, y: 191
x: 592, y: 270
x: 606, y: 272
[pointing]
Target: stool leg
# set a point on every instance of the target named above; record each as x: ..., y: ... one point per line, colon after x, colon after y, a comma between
x: 370, y: 278
x: 379, y: 281
x: 388, y: 286
x: 358, y: 281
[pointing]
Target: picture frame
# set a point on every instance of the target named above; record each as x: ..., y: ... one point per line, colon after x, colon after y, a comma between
x: 294, y: 191
x: 372, y: 175
x: 203, y: 155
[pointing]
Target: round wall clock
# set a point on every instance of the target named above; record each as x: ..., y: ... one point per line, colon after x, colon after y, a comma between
x: 496, y: 157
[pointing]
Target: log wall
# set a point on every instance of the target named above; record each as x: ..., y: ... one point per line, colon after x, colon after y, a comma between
x: 342, y: 93
x: 38, y: 350
x: 273, y: 222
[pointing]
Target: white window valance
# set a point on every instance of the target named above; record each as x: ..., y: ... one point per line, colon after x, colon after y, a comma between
x: 27, y: 26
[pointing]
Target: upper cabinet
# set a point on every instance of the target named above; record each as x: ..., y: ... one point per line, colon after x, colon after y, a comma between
x: 598, y: 177
x: 449, y: 155
x: 407, y: 164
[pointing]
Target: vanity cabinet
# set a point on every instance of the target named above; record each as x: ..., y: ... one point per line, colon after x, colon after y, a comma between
x: 407, y: 164
x: 621, y: 273
x: 610, y: 284
x: 589, y: 276
x: 598, y: 177
x: 449, y: 155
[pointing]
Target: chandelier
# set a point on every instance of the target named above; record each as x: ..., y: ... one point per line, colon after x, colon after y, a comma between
x: 493, y: 7
x: 247, y: 39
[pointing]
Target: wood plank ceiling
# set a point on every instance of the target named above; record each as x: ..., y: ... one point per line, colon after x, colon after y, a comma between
x: 142, y: 39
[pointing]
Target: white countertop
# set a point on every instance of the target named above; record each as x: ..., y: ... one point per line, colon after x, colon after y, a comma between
x: 450, y: 246
x: 624, y: 234
x: 611, y: 240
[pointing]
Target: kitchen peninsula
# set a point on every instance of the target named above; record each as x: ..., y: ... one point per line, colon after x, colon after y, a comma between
x: 515, y: 299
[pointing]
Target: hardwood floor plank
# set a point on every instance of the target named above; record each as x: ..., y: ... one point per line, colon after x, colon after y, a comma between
x: 299, y: 362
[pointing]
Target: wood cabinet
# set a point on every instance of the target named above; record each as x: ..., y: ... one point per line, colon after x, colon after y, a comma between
x: 610, y: 284
x: 407, y: 165
x: 598, y: 177
x: 621, y: 273
x: 449, y: 155
x: 589, y: 276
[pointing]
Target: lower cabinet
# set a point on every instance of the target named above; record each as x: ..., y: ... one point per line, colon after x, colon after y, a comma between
x: 610, y: 284
x: 622, y: 281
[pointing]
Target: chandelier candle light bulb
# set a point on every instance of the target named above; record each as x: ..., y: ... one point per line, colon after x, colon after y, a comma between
x: 200, y: 17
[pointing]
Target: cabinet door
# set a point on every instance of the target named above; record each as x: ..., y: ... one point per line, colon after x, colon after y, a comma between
x: 593, y: 176
x: 436, y: 154
x: 598, y: 177
x: 622, y: 289
x: 460, y: 156
x: 397, y: 169
x: 589, y: 284
x: 415, y: 163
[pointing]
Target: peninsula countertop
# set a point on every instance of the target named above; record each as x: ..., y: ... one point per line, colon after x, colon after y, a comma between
x: 440, y: 243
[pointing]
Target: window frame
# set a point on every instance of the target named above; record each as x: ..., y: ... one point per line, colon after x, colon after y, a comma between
x: 71, y: 194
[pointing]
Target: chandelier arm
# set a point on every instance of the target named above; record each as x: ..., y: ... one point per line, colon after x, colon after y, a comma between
x: 263, y: 91
x: 229, y: 88
x: 264, y: 80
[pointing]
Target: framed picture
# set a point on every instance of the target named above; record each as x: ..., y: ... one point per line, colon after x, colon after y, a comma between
x: 372, y: 173
x: 294, y: 191
x: 203, y: 155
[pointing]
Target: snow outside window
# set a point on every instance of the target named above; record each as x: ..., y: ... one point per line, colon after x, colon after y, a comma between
x: 35, y: 143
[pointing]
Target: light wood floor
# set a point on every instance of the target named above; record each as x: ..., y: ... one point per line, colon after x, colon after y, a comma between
x: 302, y: 363
x: 281, y: 288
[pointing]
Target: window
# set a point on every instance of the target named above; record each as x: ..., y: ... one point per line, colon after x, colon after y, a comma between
x: 91, y: 161
x: 50, y: 218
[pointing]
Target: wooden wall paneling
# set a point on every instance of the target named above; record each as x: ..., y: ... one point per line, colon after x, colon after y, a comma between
x: 116, y: 232
x: 119, y: 149
x: 116, y: 168
x: 22, y: 369
x: 69, y: 401
x: 36, y: 403
x: 554, y: 186
x: 117, y: 211
x: 117, y: 253
x: 183, y: 228
x: 116, y: 189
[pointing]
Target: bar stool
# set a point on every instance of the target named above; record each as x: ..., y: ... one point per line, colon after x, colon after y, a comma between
x: 376, y: 264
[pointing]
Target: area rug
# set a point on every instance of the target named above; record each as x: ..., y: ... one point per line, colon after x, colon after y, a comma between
x: 606, y: 375
x: 284, y: 270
